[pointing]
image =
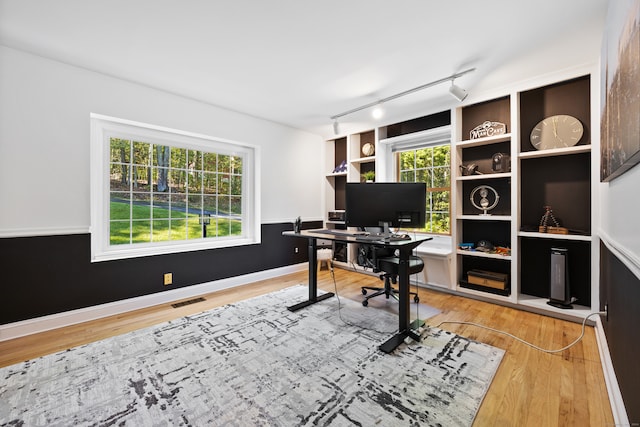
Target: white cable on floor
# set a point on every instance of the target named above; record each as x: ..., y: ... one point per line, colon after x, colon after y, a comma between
x: 584, y: 322
x: 335, y: 289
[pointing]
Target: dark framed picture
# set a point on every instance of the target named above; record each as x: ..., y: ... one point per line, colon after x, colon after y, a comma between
x: 620, y: 115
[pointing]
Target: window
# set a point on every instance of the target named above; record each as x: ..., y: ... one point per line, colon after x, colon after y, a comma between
x: 157, y: 190
x: 430, y: 165
x: 423, y: 156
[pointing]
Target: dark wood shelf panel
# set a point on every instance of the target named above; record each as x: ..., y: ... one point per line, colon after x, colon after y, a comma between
x: 496, y: 232
x: 502, y: 187
x: 572, y: 97
x: 496, y: 110
x: 483, y: 155
x: 418, y: 124
x: 562, y: 182
x: 535, y: 268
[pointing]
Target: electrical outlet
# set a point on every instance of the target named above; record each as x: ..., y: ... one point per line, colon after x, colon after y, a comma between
x: 168, y: 278
x: 296, y: 250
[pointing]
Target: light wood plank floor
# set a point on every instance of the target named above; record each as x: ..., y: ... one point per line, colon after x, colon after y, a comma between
x: 531, y: 388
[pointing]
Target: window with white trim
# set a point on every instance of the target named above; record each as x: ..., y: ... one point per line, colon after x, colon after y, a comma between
x: 157, y: 190
x: 425, y: 156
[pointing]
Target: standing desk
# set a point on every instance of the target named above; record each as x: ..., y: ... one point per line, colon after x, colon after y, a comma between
x: 404, y: 247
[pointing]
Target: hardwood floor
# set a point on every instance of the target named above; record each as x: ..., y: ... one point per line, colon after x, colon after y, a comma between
x: 531, y: 388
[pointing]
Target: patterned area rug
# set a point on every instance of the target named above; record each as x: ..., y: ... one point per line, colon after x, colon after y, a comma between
x: 255, y: 363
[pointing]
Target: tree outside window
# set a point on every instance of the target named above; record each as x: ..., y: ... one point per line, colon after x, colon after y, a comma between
x: 163, y: 193
x: 430, y: 165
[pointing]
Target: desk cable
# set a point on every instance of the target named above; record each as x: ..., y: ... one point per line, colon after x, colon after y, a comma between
x: 550, y: 351
x: 584, y: 322
x: 335, y: 291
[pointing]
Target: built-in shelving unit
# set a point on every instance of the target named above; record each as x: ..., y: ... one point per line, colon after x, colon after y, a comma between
x: 557, y: 177
x: 350, y: 150
x: 472, y: 225
x: 493, y: 135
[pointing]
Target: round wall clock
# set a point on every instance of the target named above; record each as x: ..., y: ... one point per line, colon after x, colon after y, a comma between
x: 368, y: 149
x: 556, y: 132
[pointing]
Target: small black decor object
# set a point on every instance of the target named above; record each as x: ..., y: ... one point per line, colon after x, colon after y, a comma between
x: 559, y: 290
x: 297, y: 225
x: 470, y: 169
x: 501, y: 162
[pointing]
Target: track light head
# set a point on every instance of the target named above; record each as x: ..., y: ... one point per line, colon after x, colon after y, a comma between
x: 336, y: 127
x: 457, y: 92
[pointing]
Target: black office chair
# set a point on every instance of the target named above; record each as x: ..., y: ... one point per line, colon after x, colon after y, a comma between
x: 383, y: 261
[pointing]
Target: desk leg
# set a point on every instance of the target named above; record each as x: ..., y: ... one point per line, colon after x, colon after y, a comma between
x: 404, y: 312
x: 313, y: 279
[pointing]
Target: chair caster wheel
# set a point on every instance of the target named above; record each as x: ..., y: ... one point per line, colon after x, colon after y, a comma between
x: 365, y: 303
x: 416, y: 299
x: 364, y: 292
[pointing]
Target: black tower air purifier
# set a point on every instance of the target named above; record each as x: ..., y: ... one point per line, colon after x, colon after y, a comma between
x: 560, y: 295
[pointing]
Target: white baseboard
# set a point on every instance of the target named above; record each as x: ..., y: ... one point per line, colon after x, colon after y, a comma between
x: 615, y: 396
x: 59, y: 320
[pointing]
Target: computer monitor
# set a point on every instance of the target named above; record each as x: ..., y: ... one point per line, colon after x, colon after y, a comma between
x: 394, y: 204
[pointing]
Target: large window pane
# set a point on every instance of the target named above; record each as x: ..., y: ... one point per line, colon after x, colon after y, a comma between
x: 120, y: 206
x: 236, y: 206
x: 209, y: 183
x: 236, y: 185
x: 141, y: 178
x: 194, y: 160
x: 195, y: 182
x: 210, y: 162
x: 224, y: 184
x: 140, y: 231
x: 178, y: 229
x: 141, y: 206
x: 178, y: 158
x: 141, y: 153
x: 440, y: 177
x: 120, y: 151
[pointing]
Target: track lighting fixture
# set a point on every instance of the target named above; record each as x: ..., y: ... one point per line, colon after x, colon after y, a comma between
x: 459, y: 93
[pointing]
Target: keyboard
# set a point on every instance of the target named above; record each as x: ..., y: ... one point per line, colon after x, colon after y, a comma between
x: 342, y: 232
x: 379, y: 238
x: 364, y: 236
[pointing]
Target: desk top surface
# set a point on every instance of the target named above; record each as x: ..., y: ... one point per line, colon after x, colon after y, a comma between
x: 358, y: 238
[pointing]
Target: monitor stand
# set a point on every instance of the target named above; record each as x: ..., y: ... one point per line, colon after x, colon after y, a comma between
x: 386, y: 234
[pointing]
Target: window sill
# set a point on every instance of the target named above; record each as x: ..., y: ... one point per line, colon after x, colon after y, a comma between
x: 170, y: 248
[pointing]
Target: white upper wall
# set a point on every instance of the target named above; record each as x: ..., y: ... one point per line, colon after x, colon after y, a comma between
x: 44, y: 144
x: 619, y: 223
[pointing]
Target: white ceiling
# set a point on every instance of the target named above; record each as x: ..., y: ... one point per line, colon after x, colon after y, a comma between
x: 299, y: 62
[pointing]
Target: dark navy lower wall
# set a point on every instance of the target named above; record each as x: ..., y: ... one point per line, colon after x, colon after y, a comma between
x: 53, y: 274
x: 620, y: 290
